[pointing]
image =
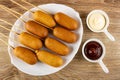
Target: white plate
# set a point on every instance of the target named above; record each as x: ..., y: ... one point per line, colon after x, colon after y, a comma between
x: 40, y: 69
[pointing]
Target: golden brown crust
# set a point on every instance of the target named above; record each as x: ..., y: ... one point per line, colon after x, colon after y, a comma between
x: 36, y: 29
x: 65, y: 34
x: 44, y: 18
x: 66, y: 21
x: 56, y: 46
x: 49, y: 58
x: 30, y: 41
x: 26, y: 55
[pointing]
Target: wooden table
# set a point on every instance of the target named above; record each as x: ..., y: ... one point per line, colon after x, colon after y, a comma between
x: 79, y: 68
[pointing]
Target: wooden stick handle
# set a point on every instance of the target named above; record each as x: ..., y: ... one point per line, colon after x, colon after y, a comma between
x: 9, y: 29
x: 7, y: 38
x: 19, y: 4
x: 11, y: 12
x: 9, y: 23
x: 5, y: 42
x: 3, y: 7
x: 35, y: 6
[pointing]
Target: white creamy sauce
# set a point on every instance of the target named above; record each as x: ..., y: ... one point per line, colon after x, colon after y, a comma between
x: 97, y: 21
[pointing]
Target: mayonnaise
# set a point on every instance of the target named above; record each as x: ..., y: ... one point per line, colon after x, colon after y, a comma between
x: 97, y: 21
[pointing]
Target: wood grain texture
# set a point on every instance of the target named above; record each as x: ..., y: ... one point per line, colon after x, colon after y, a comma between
x: 79, y: 68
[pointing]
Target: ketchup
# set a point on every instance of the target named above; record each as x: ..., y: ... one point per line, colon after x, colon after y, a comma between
x: 93, y: 50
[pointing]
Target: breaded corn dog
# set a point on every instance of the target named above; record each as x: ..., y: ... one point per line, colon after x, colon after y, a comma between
x: 66, y: 21
x: 44, y: 18
x: 30, y: 41
x: 26, y: 55
x: 65, y: 34
x: 49, y: 58
x: 36, y: 29
x: 57, y: 46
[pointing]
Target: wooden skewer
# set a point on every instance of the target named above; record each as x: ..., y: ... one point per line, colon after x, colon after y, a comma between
x: 19, y: 5
x: 9, y: 29
x: 4, y: 41
x: 3, y: 35
x: 7, y: 38
x: 10, y: 11
x: 9, y: 23
x: 27, y: 8
x: 7, y: 44
x: 35, y: 6
x: 5, y: 22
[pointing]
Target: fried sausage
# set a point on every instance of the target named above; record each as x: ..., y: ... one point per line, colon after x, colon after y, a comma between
x: 30, y: 41
x: 65, y: 34
x: 66, y: 21
x: 56, y: 46
x: 44, y: 18
x: 49, y: 58
x: 25, y: 54
x: 36, y: 29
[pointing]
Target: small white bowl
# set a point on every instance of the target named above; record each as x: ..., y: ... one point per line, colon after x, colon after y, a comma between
x: 105, y: 69
x: 102, y: 45
x: 102, y: 13
x: 106, y: 25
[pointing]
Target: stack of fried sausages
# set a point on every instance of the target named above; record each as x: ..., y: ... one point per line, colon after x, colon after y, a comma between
x: 37, y: 37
